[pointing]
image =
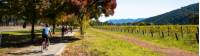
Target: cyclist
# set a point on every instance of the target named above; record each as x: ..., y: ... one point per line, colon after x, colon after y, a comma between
x: 45, y: 35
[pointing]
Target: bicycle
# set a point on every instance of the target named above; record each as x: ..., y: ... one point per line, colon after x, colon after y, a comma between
x: 45, y: 44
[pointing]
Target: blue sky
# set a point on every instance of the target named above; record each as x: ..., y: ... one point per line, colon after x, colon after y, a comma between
x: 145, y: 8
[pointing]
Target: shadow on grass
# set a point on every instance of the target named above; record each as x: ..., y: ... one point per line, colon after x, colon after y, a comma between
x: 18, y: 41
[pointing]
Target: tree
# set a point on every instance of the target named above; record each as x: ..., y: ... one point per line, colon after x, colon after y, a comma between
x: 53, y: 11
x: 89, y: 9
x: 34, y: 10
x: 82, y: 10
x: 30, y: 9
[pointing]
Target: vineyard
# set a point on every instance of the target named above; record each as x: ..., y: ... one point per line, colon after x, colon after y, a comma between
x: 182, y: 35
x: 176, y: 31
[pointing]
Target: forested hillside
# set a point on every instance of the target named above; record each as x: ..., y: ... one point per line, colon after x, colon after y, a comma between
x: 185, y: 15
x: 121, y: 21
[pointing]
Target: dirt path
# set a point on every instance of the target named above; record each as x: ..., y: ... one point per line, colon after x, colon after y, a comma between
x: 166, y: 51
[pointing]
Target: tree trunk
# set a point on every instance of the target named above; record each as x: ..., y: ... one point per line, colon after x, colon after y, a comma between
x: 54, y: 26
x: 62, y: 33
x: 81, y: 25
x: 32, y: 30
x: 24, y: 25
x: 81, y: 29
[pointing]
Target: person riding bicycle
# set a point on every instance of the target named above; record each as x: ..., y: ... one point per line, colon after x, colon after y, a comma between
x: 45, y: 35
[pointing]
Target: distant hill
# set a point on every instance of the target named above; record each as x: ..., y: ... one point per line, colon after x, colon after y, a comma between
x: 185, y: 15
x: 121, y: 21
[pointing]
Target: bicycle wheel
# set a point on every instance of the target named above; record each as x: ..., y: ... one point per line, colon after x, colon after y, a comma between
x: 43, y: 46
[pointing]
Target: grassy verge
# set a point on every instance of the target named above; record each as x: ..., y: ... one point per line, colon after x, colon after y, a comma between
x: 187, y: 43
x: 97, y: 43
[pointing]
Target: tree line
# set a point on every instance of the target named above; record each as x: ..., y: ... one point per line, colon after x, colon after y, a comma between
x: 54, y: 12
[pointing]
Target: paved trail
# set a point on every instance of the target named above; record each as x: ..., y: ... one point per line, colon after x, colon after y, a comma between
x: 54, y: 49
x: 164, y: 50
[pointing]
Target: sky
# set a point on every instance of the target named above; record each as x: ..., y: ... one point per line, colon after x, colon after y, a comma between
x: 145, y: 8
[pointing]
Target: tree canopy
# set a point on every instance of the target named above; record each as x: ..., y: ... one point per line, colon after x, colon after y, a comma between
x: 57, y: 11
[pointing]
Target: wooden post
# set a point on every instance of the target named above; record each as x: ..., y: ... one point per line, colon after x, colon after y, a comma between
x: 163, y: 35
x: 168, y: 31
x: 176, y: 36
x: 143, y: 32
x: 127, y: 30
x: 159, y: 30
x: 182, y: 31
x: 187, y: 29
x: 152, y: 34
x: 197, y: 35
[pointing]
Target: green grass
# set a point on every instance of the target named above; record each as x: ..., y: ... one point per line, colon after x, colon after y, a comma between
x: 22, y: 32
x: 186, y: 43
x: 16, y: 32
x: 101, y: 44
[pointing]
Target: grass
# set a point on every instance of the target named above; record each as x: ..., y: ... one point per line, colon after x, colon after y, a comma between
x: 98, y: 43
x: 186, y: 43
x: 23, y: 34
x: 11, y: 39
x: 16, y: 32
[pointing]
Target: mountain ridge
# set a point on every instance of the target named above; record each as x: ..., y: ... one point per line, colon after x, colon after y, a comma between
x: 185, y: 15
x: 121, y: 21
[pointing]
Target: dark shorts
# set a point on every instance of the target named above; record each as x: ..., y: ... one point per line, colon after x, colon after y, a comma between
x: 45, y: 37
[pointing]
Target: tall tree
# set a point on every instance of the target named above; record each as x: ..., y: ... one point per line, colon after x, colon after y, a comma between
x: 31, y: 9
x: 89, y: 9
x: 84, y: 10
